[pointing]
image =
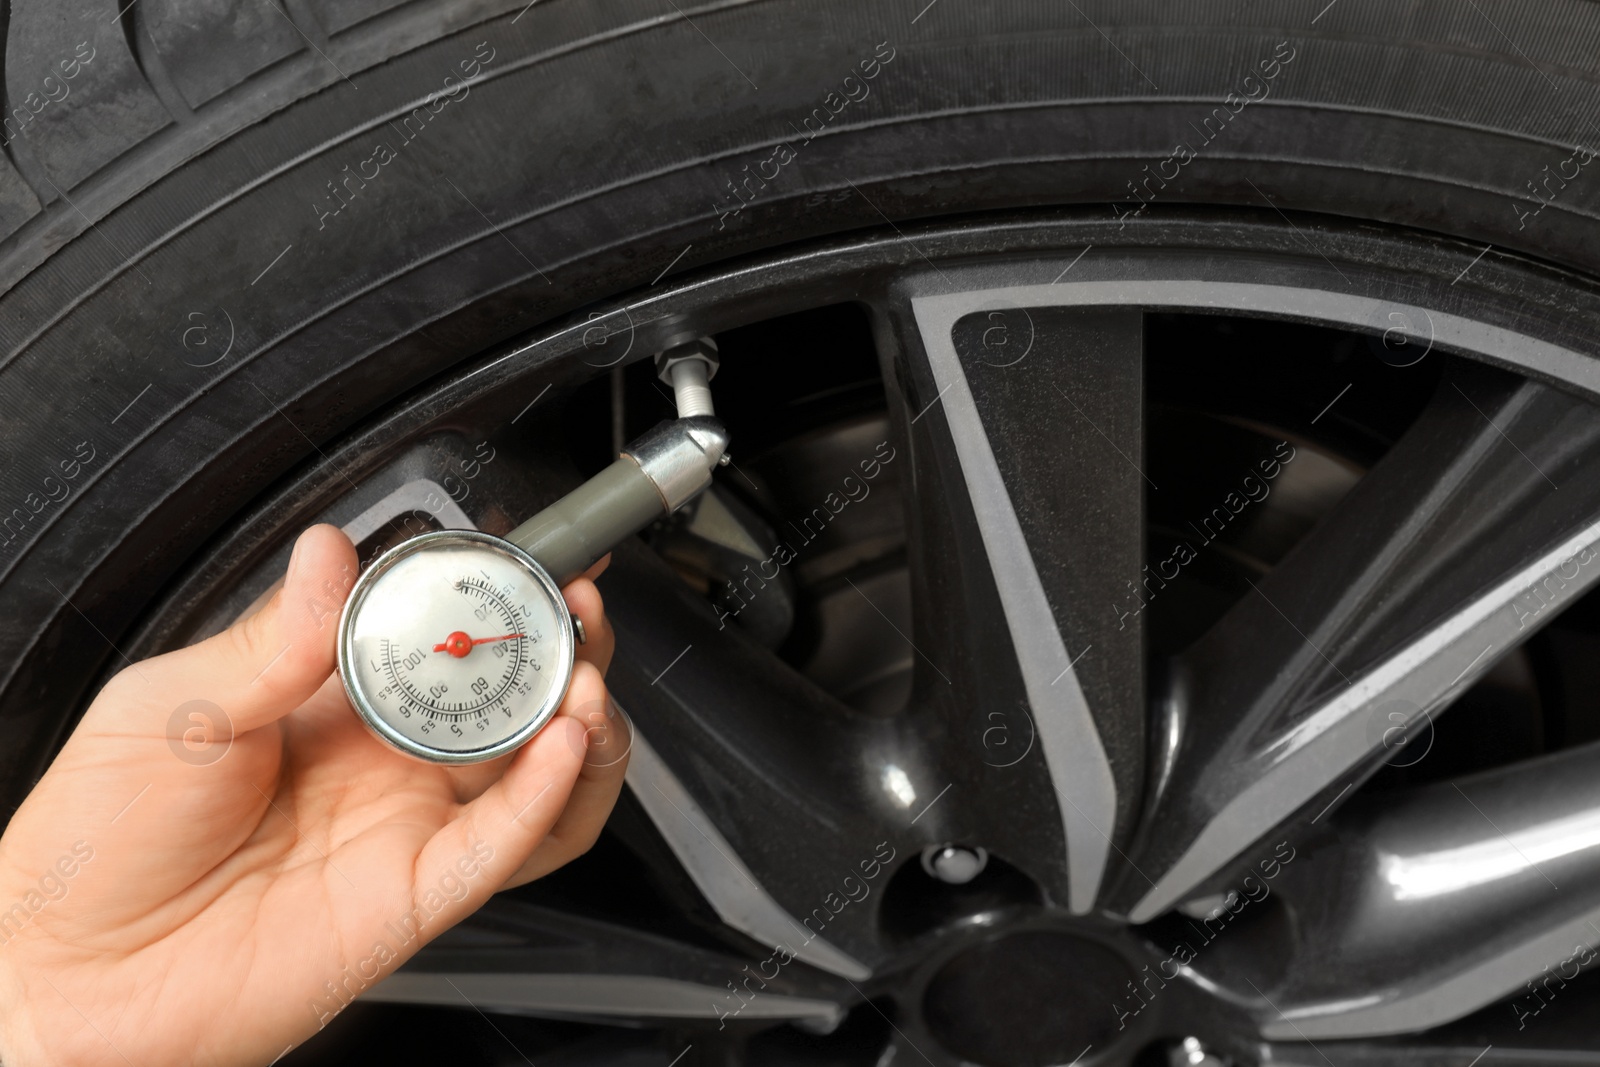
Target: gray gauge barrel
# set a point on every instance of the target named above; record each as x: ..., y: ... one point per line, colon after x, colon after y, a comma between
x: 654, y: 476
x: 569, y: 535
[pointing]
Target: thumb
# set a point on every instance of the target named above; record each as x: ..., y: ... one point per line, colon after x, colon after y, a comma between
x: 257, y: 670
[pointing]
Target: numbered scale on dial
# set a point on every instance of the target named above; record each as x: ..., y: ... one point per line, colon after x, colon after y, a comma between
x: 456, y: 647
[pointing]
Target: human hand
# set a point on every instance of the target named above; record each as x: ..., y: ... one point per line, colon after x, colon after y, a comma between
x: 208, y: 883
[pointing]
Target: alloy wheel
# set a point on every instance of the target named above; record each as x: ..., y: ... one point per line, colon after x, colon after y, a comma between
x: 1129, y: 569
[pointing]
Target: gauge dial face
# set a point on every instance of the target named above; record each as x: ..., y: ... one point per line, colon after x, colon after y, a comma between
x: 455, y: 647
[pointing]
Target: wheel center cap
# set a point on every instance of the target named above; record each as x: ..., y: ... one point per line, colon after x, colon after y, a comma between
x: 1027, y: 999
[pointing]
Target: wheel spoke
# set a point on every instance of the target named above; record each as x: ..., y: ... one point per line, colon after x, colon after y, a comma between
x: 716, y: 870
x: 1450, y: 552
x: 1512, y: 855
x: 525, y: 959
x: 1026, y: 432
x: 748, y: 770
x: 1536, y: 1053
x: 597, y: 996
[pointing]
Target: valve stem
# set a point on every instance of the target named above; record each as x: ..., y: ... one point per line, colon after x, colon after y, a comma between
x: 691, y: 389
x: 689, y: 368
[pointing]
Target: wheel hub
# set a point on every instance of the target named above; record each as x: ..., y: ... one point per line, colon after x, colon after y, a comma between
x: 985, y: 1002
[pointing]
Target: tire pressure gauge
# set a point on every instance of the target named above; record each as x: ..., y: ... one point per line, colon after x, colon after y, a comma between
x: 457, y: 647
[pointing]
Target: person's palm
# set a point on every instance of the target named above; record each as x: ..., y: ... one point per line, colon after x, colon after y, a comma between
x: 177, y: 896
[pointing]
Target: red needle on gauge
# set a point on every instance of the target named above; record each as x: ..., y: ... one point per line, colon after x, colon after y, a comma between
x: 459, y: 644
